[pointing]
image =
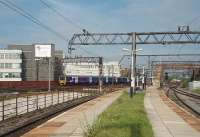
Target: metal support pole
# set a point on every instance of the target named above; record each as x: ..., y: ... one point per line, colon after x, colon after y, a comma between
x: 149, y: 69
x: 112, y: 78
x: 3, y: 108
x: 16, y: 106
x: 37, y: 103
x: 37, y: 64
x: 100, y: 74
x: 134, y: 61
x: 51, y: 98
x: 58, y: 97
x: 73, y: 95
x: 151, y: 73
x: 137, y: 77
x: 45, y: 100
x: 133, y: 64
x: 27, y: 104
x: 49, y: 89
x: 143, y: 78
x: 68, y: 96
x: 63, y: 96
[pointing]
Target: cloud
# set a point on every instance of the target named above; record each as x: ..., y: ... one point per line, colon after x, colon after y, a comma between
x: 98, y: 16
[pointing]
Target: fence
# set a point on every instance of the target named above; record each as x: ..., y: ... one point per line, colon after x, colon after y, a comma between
x: 21, y: 105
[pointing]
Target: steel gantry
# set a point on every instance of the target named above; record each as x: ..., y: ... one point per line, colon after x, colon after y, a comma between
x: 159, y: 55
x: 134, y: 38
x: 179, y: 37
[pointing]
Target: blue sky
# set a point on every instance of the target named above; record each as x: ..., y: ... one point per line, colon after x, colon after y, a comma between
x: 100, y: 16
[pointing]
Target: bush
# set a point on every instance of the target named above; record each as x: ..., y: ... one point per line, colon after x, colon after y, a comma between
x: 184, y: 83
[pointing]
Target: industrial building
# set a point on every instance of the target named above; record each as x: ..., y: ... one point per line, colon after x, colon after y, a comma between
x: 37, y: 69
x: 10, y: 65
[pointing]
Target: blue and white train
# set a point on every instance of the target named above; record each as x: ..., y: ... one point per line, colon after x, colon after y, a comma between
x: 91, y: 80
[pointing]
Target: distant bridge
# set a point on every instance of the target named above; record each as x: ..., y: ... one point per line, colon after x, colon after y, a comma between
x: 180, y: 65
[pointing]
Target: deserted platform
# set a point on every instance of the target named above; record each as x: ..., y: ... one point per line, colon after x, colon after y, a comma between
x: 74, y: 122
x: 166, y: 122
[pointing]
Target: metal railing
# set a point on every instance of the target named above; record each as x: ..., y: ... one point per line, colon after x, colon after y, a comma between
x: 20, y: 105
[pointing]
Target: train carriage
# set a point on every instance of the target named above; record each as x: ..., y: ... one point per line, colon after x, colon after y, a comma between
x: 90, y: 80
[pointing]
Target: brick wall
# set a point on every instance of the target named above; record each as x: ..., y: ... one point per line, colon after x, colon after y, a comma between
x: 26, y: 84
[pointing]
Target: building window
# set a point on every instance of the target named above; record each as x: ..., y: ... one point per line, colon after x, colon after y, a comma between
x: 10, y: 75
x: 16, y: 56
x: 1, y: 56
x: 6, y: 56
x: 15, y: 75
x: 8, y: 65
x: 10, y: 56
x: 16, y: 66
x: 5, y: 75
x: 1, y: 65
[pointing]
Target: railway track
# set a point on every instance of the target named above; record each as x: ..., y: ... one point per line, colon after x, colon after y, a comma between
x: 189, y: 100
x: 36, y: 118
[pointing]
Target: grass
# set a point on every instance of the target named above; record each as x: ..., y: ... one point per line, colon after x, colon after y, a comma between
x: 126, y: 117
x: 196, y: 90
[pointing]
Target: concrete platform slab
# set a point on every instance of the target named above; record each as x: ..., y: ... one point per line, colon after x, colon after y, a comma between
x: 72, y: 123
x: 165, y: 122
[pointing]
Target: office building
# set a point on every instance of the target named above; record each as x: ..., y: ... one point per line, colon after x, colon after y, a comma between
x: 10, y: 65
x: 37, y: 68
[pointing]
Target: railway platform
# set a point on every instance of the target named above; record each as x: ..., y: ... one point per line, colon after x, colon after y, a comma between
x: 165, y: 119
x: 74, y: 122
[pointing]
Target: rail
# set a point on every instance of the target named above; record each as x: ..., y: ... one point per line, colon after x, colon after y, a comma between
x: 194, y: 96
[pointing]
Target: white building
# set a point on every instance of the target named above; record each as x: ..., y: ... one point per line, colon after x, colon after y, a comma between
x: 10, y: 65
x: 91, y: 69
x: 111, y: 69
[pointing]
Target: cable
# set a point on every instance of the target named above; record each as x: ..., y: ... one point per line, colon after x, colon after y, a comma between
x: 193, y: 20
x: 60, y: 14
x: 66, y: 20
x: 28, y: 16
x: 31, y: 18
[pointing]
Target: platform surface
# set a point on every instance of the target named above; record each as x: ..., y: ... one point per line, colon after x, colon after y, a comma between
x: 165, y: 122
x: 74, y: 122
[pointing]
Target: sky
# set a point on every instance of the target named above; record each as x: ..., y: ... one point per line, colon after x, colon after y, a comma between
x: 99, y: 16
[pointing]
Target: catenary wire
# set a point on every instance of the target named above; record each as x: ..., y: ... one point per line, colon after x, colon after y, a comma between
x: 28, y: 16
x: 31, y: 18
x: 60, y: 14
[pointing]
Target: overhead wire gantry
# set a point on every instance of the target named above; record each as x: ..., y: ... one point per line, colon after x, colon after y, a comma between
x: 134, y: 38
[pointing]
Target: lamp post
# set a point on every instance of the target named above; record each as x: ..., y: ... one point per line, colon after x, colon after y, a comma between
x: 133, y: 68
x: 143, y: 78
x: 37, y: 68
x: 49, y: 81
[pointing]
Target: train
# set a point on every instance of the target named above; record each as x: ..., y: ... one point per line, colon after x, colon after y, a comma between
x: 91, y: 80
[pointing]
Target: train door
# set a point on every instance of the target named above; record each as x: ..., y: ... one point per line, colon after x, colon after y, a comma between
x: 116, y: 80
x: 90, y: 80
x: 107, y: 80
x: 76, y: 80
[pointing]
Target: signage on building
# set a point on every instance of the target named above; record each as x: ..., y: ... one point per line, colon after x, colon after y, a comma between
x: 42, y: 50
